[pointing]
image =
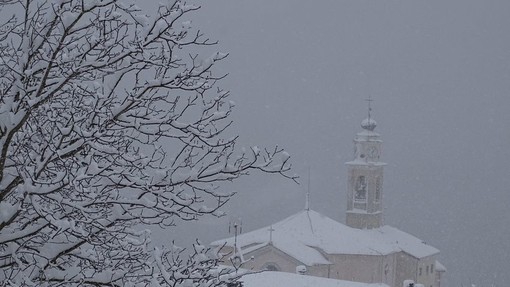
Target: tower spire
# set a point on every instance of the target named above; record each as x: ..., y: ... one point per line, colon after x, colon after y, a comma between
x: 368, y: 123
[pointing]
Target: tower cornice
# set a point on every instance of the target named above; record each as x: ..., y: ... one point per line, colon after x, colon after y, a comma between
x: 366, y: 163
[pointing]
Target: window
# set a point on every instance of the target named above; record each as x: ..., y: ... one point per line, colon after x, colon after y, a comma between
x: 427, y: 270
x: 378, y: 185
x: 419, y: 271
x: 431, y: 268
x: 361, y: 189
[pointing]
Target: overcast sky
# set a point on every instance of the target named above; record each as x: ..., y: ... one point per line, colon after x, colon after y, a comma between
x: 439, y: 74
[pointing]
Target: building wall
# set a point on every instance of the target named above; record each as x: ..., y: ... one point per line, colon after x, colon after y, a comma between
x: 363, y: 220
x: 438, y: 275
x: 364, y: 213
x: 360, y: 268
x: 406, y: 268
x: 391, y: 269
x: 421, y: 270
x: 270, y: 255
x: 426, y: 273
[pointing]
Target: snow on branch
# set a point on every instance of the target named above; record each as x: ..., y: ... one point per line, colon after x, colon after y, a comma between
x: 111, y: 119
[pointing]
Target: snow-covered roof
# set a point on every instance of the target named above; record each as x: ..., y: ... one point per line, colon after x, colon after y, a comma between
x: 283, y: 279
x: 304, y: 235
x: 439, y: 267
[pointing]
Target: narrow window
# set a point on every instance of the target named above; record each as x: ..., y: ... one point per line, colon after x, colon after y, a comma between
x: 361, y: 189
x: 419, y: 271
x: 378, y: 189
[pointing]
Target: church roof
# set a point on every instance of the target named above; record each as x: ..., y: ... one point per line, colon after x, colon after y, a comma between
x: 440, y: 267
x: 304, y: 235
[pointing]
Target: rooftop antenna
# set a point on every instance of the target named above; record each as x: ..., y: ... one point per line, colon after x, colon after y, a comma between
x: 307, y: 202
x: 235, y: 225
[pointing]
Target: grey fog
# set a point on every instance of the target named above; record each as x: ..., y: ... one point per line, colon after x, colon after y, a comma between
x: 439, y: 75
x: 93, y: 151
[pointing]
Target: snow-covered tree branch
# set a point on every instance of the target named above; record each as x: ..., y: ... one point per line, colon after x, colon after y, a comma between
x: 110, y: 119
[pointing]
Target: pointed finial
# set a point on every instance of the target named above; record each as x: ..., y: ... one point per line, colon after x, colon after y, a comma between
x: 368, y: 123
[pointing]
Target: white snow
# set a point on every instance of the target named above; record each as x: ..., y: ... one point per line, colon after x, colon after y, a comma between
x: 439, y: 267
x: 285, y: 156
x: 7, y: 211
x: 68, y: 18
x: 283, y: 279
x: 302, y: 235
x: 365, y: 162
x: 89, y: 4
x: 368, y: 123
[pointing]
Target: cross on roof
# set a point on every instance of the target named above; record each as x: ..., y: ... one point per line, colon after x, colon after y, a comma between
x: 271, y: 229
x: 369, y: 100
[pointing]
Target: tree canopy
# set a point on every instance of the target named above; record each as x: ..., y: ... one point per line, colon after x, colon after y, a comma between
x: 111, y: 119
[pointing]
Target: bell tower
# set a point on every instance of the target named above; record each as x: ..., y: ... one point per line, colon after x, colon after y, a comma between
x: 365, y: 178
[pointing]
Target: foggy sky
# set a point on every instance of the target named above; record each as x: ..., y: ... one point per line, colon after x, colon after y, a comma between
x: 439, y: 74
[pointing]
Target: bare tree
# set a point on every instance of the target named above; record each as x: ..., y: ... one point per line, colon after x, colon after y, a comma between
x: 110, y: 119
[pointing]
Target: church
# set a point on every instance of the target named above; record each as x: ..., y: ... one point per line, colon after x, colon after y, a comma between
x: 361, y: 250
